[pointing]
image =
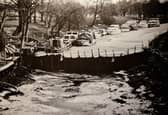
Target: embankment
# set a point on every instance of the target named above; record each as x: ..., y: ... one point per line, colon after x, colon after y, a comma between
x: 84, y: 65
x: 153, y: 75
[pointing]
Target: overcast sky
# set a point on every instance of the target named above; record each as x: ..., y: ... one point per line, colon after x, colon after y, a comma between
x: 84, y: 2
x: 89, y: 2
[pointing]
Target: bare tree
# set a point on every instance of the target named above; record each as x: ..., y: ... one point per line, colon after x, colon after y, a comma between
x: 98, y: 8
x: 76, y: 19
x: 107, y: 14
x: 63, y: 14
x: 123, y: 7
x: 3, y: 14
x: 3, y: 18
x: 42, y: 12
x: 2, y: 38
x: 25, y: 10
x: 48, y: 13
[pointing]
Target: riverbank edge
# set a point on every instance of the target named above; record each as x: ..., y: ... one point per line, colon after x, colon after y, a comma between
x: 18, y: 75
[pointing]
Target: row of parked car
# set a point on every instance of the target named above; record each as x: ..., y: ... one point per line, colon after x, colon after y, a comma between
x: 87, y: 38
x: 69, y: 39
x: 130, y: 25
x: 82, y: 38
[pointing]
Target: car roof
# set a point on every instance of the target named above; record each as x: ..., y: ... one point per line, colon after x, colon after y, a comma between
x: 114, y: 25
x: 153, y: 18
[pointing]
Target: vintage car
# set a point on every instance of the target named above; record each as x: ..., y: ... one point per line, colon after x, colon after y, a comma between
x: 132, y: 24
x: 143, y: 24
x: 113, y: 29
x: 70, y: 36
x: 85, y: 39
x: 103, y: 32
x: 125, y: 28
x: 72, y: 33
x: 153, y: 22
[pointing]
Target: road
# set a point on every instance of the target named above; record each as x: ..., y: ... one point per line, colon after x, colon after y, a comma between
x: 119, y: 43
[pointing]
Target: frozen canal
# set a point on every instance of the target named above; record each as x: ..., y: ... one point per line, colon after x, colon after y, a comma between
x: 77, y: 94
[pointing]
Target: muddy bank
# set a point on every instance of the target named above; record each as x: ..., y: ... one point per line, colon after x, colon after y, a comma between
x: 17, y: 76
x: 152, y: 76
x: 154, y: 83
x: 10, y: 81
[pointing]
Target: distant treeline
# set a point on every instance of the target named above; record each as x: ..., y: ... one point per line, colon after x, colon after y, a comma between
x: 105, y: 13
x: 156, y: 9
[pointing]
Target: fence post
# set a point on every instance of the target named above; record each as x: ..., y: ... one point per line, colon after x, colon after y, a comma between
x: 142, y: 45
x: 113, y: 53
x: 78, y: 53
x: 148, y: 43
x: 45, y: 49
x: 63, y: 54
x: 84, y: 54
x: 106, y: 53
x: 135, y: 49
x: 99, y: 53
x: 128, y: 51
x: 92, y: 53
x: 70, y: 54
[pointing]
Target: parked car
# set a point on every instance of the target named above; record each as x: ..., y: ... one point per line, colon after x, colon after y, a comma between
x: 113, y: 29
x: 153, y: 22
x: 85, y: 39
x: 103, y: 32
x: 125, y: 28
x: 73, y: 35
x: 143, y: 24
x: 132, y: 24
x: 70, y: 36
x: 66, y: 39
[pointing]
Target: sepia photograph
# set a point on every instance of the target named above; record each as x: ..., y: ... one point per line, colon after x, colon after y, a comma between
x: 83, y: 57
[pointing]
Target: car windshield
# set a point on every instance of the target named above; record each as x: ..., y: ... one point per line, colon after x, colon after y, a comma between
x: 72, y: 37
x: 66, y: 37
x: 153, y: 20
x: 124, y: 25
x: 114, y: 26
x: 75, y: 33
x: 84, y: 36
x: 131, y: 22
x: 68, y: 32
x: 143, y: 22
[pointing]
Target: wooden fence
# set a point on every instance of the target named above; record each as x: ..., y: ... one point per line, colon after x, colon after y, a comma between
x: 109, y: 52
